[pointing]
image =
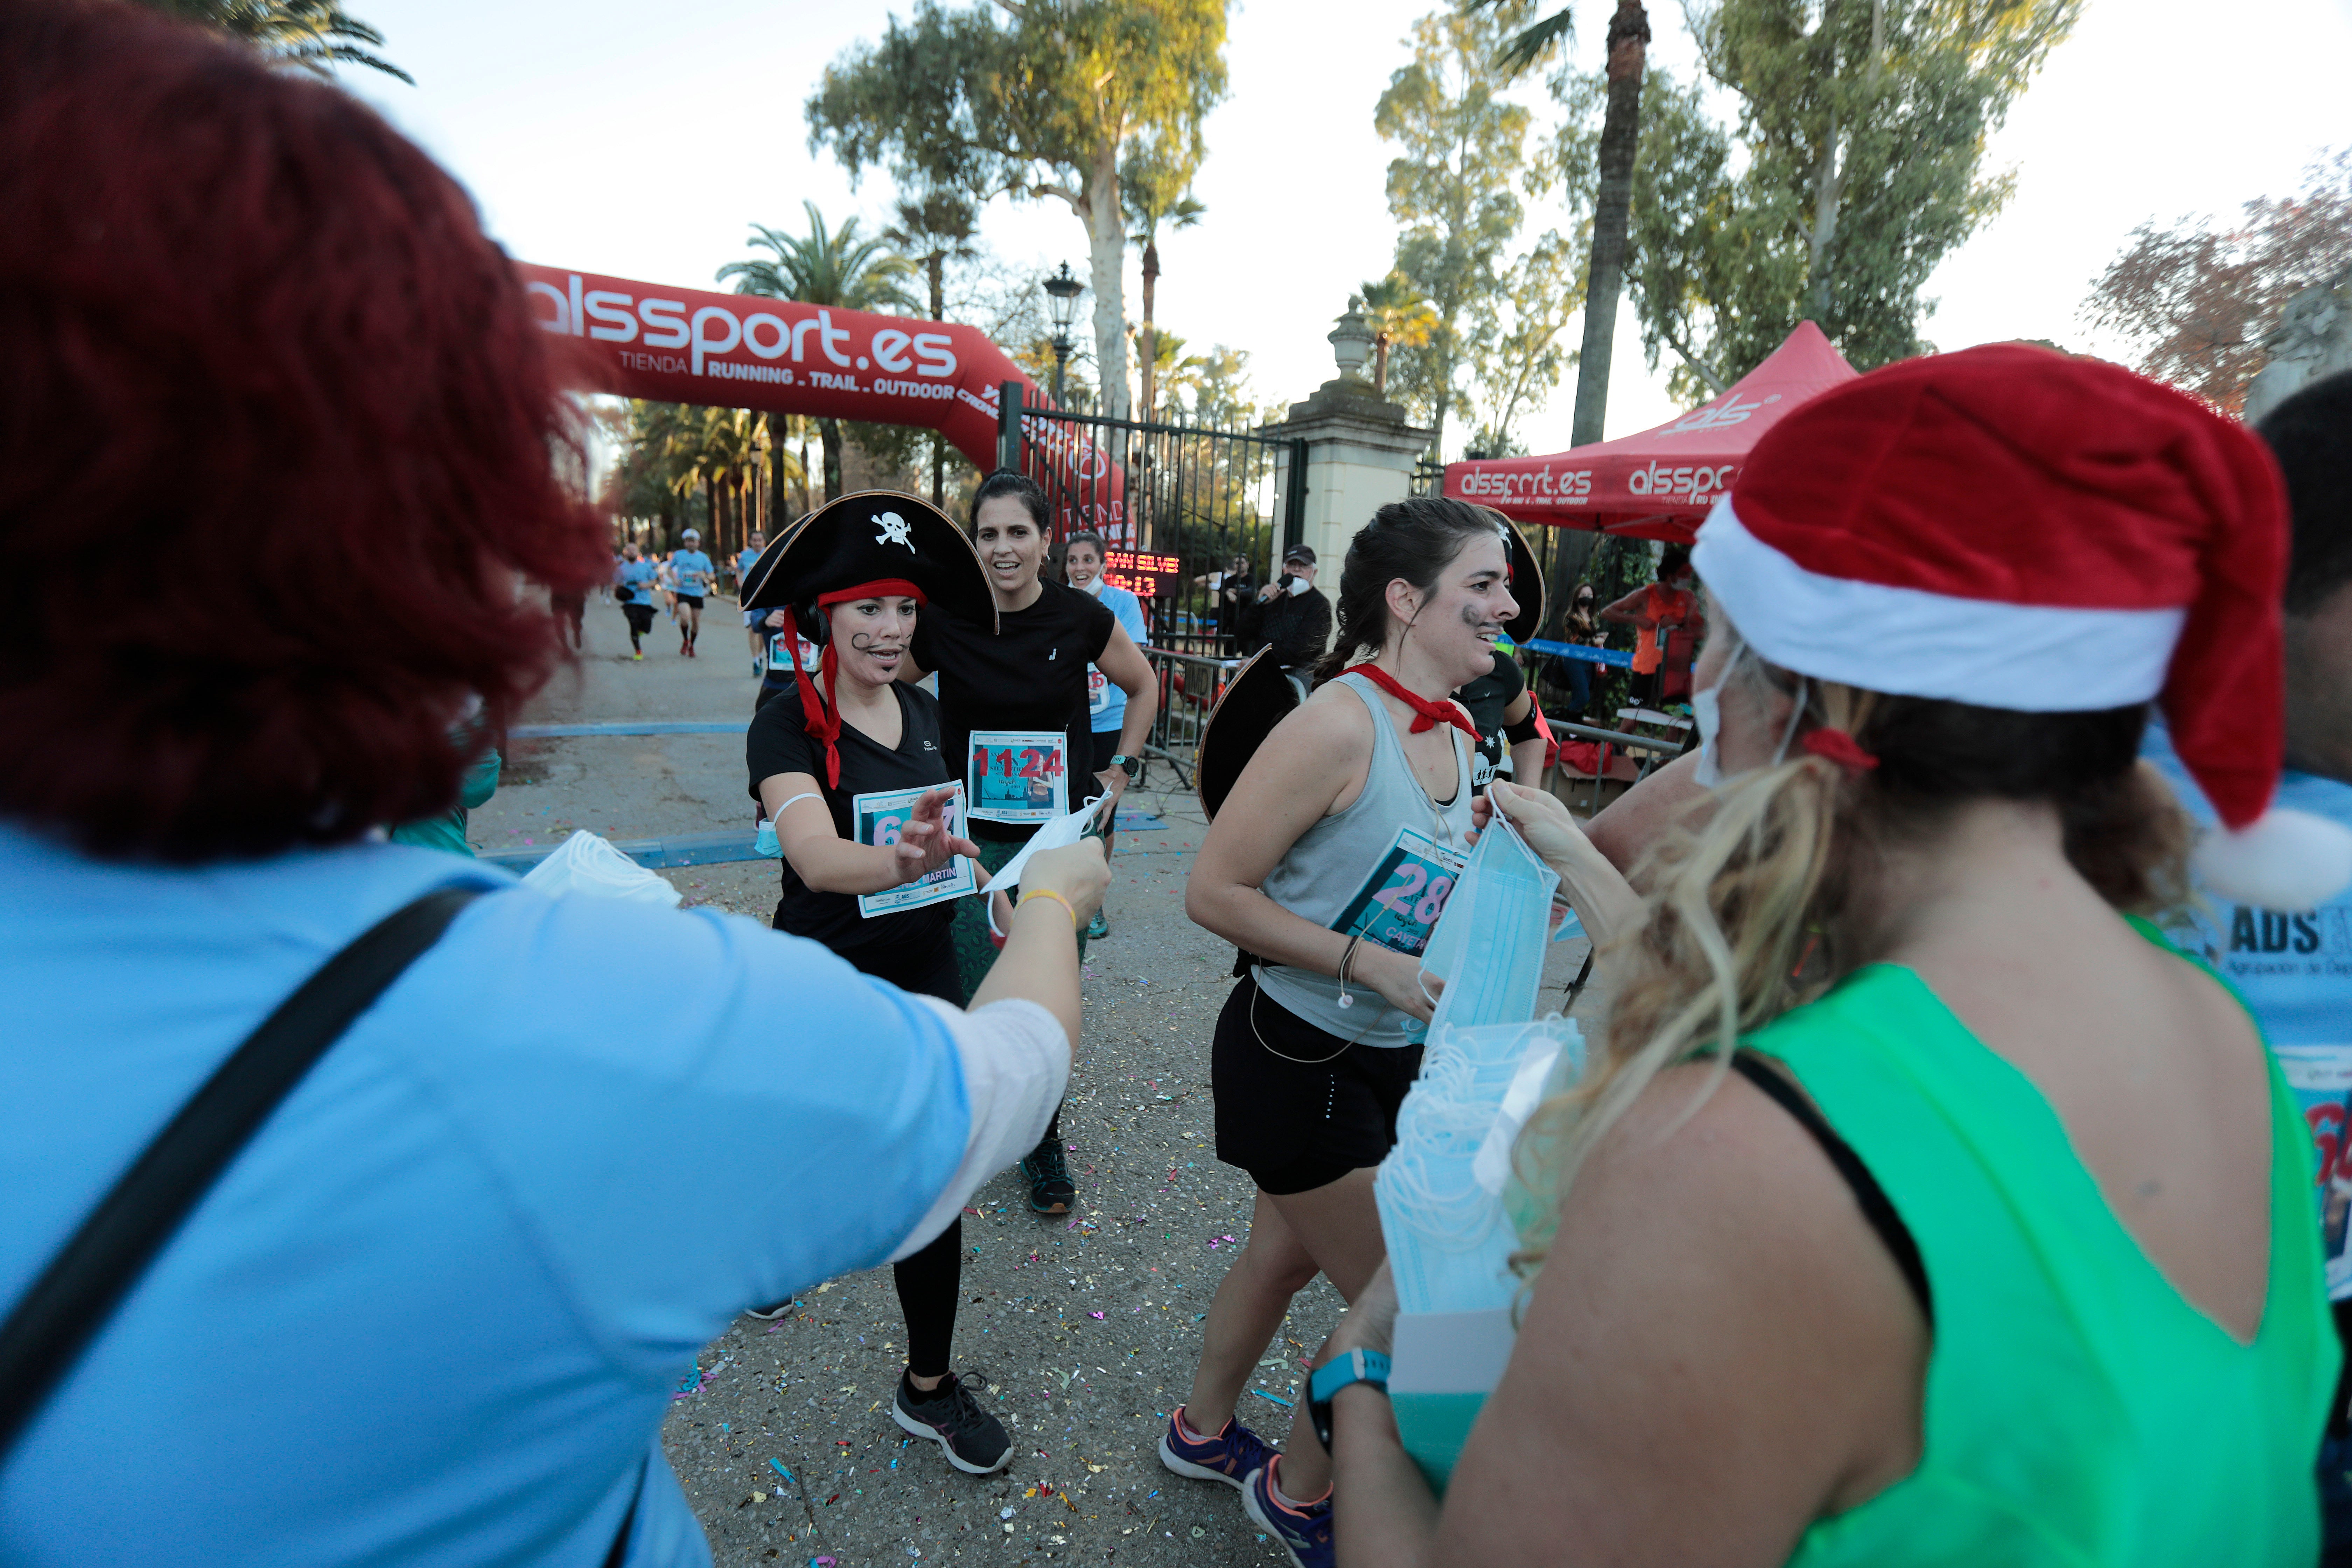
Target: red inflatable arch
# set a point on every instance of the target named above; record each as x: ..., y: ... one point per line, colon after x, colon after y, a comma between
x: 745, y: 350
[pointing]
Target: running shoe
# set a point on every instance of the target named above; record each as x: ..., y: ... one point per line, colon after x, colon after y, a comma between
x: 769, y: 1314
x: 1304, y: 1532
x: 1098, y: 928
x: 639, y: 656
x: 1051, y: 1190
x: 974, y: 1441
x: 1231, y: 1455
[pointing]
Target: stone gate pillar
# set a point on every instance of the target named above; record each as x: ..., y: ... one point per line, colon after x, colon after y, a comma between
x: 1361, y: 450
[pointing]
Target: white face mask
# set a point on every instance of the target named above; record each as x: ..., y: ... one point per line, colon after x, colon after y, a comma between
x: 1093, y: 586
x: 1707, y: 712
x: 1299, y: 586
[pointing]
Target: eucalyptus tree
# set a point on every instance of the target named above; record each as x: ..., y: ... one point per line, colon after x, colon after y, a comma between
x: 1454, y: 190
x: 1033, y: 99
x: 1855, y: 163
x: 825, y: 266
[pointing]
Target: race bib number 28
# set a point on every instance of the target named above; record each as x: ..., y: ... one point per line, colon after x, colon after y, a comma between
x: 1018, y: 775
x: 1399, y: 903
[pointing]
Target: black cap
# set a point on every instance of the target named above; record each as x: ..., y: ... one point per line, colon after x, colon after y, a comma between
x: 1303, y: 553
x: 866, y: 537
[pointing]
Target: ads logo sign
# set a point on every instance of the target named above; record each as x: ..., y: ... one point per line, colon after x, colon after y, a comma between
x: 1680, y: 484
x: 1731, y: 410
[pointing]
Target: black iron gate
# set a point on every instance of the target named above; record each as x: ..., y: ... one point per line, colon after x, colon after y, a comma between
x: 1192, y: 520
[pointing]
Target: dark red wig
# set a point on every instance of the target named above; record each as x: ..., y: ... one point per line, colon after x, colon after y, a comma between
x: 277, y: 439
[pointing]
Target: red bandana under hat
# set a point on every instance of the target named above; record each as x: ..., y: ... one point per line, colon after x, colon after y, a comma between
x: 2017, y: 528
x: 1427, y: 715
x: 823, y: 720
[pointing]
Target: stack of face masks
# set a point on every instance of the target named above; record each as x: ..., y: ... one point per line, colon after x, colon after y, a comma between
x: 1440, y: 1192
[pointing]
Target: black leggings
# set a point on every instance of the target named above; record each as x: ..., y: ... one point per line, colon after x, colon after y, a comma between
x: 928, y: 1281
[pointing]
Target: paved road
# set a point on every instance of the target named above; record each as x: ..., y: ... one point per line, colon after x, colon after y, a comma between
x: 1085, y: 1327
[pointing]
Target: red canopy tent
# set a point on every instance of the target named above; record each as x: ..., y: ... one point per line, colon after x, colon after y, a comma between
x: 1660, y: 483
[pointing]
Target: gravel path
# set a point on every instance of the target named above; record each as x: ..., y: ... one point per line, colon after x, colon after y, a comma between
x: 1085, y: 1326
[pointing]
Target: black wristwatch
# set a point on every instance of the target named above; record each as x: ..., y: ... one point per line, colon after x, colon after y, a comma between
x: 1356, y: 1366
x: 1123, y: 762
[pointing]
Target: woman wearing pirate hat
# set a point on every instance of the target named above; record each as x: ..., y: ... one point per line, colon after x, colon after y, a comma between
x: 850, y: 764
x: 1012, y: 703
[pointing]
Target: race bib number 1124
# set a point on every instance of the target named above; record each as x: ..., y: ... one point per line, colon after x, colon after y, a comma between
x: 1018, y: 775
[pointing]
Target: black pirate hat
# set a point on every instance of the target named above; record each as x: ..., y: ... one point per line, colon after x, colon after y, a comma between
x: 1527, y: 584
x: 872, y: 536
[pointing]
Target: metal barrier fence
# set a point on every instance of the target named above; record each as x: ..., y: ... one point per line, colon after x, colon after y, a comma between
x: 1177, y: 506
x: 1190, y: 685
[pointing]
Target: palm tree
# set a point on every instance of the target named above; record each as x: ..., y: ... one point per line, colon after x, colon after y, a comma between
x: 314, y: 34
x: 1621, y: 135
x: 1154, y: 188
x: 935, y: 230
x: 1399, y: 317
x: 825, y: 267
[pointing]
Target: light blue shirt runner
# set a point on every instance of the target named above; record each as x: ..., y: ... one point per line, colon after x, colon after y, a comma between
x: 691, y: 571
x: 2295, y: 969
x: 1106, y: 703
x: 435, y: 1311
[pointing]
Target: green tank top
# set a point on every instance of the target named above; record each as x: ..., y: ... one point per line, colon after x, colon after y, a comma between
x: 2078, y: 1410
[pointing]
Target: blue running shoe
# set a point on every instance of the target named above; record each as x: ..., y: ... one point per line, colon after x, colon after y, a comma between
x: 1304, y: 1533
x: 1228, y: 1455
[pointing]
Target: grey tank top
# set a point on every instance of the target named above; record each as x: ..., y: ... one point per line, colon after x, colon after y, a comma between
x: 1383, y: 866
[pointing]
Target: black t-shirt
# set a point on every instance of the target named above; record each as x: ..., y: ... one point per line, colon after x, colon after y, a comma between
x: 1032, y: 675
x: 1486, y: 698
x: 776, y: 743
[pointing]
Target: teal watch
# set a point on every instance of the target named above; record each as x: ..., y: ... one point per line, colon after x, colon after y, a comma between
x: 1124, y: 762
x: 1356, y: 1366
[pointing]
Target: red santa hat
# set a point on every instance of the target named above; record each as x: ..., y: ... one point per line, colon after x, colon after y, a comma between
x: 2016, y: 528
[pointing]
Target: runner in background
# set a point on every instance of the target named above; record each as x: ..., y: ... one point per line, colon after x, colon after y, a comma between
x: 744, y: 560
x: 1328, y: 866
x: 690, y: 574
x: 848, y: 764
x: 666, y: 583
x: 2294, y: 966
x: 1082, y: 562
x: 1657, y: 610
x: 1013, y: 701
x: 633, y: 589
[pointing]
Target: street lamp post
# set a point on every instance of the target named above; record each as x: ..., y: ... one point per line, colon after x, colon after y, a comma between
x: 1062, y: 298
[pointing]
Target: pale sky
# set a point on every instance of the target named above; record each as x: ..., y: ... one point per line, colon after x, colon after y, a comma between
x: 641, y: 141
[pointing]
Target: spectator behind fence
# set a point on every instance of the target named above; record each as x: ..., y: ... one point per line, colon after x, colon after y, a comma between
x: 1288, y: 614
x: 434, y: 1310
x: 1994, y: 1241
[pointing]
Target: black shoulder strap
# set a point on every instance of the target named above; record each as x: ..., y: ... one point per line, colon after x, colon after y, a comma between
x: 86, y: 1280
x: 1867, y: 1193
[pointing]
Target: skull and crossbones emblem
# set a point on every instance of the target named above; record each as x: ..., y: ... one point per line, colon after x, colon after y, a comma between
x: 894, y: 531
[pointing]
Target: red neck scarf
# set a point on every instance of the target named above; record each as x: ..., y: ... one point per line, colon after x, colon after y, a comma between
x: 1427, y: 715
x: 823, y: 720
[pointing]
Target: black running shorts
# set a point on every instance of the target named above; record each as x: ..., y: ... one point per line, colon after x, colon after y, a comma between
x: 641, y: 617
x: 694, y: 599
x: 1303, y: 1123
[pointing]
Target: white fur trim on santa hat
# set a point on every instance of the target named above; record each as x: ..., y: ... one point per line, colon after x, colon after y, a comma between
x: 2285, y: 860
x: 2035, y: 659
